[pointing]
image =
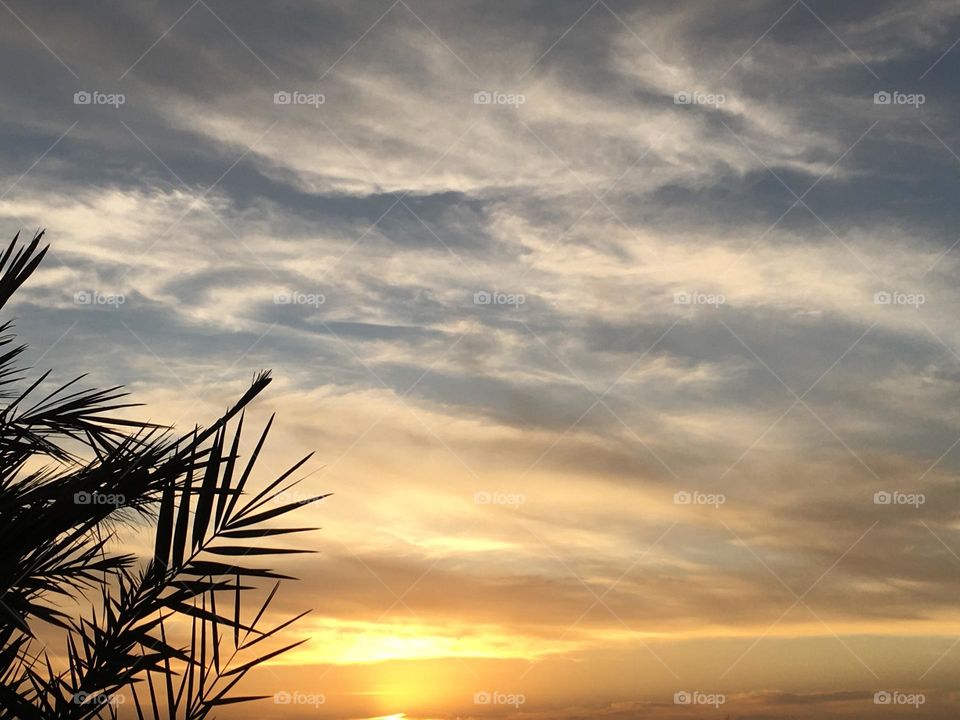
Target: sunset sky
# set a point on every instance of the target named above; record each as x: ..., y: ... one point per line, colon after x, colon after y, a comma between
x: 625, y: 333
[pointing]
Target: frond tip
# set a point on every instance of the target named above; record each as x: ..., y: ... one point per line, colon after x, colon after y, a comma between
x: 16, y: 268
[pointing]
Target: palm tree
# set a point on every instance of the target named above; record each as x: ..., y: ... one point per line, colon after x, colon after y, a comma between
x: 175, y: 631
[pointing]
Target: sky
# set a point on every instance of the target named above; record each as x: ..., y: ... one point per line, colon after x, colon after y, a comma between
x: 624, y: 332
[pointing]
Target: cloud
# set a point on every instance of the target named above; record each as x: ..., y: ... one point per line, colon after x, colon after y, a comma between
x: 586, y: 296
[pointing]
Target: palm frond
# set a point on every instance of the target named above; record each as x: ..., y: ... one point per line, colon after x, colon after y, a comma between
x: 99, y: 472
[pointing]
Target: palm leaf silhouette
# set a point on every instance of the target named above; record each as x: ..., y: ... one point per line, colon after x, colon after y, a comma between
x: 210, y: 538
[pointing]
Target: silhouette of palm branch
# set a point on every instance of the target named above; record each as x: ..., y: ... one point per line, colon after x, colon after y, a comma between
x: 57, y: 547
